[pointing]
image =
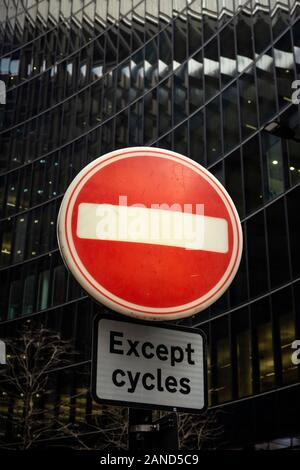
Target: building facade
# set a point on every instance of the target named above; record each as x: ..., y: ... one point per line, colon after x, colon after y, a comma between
x: 203, y: 78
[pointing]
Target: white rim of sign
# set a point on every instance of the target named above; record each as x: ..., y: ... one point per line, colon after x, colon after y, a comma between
x: 96, y: 290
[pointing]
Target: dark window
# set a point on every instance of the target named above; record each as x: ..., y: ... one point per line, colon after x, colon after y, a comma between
x: 257, y: 260
x: 273, y: 160
x: 233, y: 180
x: 266, y: 86
x: 243, y: 349
x: 284, y: 66
x: 277, y: 243
x: 211, y: 69
x: 213, y: 131
x: 262, y: 326
x: 252, y: 175
x: 230, y: 118
x: 220, y: 362
x: 248, y: 103
x: 286, y: 330
x: 197, y: 151
x: 294, y: 228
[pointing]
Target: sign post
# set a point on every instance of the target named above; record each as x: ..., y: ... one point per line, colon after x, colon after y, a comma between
x: 152, y: 235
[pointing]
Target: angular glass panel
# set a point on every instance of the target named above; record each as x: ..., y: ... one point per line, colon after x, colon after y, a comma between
x: 231, y: 133
x: 252, y: 175
x: 195, y: 71
x: 273, y: 160
x: 213, y: 131
x: 257, y: 258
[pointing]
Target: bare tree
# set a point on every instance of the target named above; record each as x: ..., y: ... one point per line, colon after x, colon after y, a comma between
x: 32, y: 358
x: 198, y: 431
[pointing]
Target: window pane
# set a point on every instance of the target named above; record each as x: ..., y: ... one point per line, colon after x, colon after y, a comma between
x: 233, y: 179
x: 294, y: 229
x: 197, y: 151
x: 256, y: 247
x: 242, y: 339
x: 244, y: 40
x: 285, y: 320
x: 272, y: 155
x: 248, y: 103
x: 20, y: 238
x: 284, y: 66
x: 228, y: 54
x: 252, y: 175
x: 43, y: 290
x: 29, y: 295
x: 230, y: 118
x: 211, y: 69
x: 221, y: 361
x: 195, y: 26
x: 266, y: 86
x: 195, y: 67
x: 15, y: 299
x: 213, y: 131
x: 180, y: 94
x: 277, y: 237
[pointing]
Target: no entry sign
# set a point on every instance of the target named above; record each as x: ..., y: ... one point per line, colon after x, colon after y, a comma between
x: 138, y: 364
x: 150, y: 233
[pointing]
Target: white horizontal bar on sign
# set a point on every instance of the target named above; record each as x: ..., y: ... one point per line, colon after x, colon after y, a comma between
x: 152, y: 226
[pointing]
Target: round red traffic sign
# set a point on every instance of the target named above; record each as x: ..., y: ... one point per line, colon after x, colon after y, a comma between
x: 150, y: 233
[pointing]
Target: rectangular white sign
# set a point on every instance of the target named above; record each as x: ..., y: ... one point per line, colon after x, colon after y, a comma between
x: 154, y: 226
x: 135, y: 364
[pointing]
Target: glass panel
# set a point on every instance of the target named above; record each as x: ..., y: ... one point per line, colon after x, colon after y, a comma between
x: 165, y: 106
x: 211, y: 69
x: 221, y: 361
x: 136, y: 124
x: 231, y: 133
x: 197, y: 151
x: 293, y: 199
x: 252, y: 175
x: 29, y: 295
x: 277, y: 237
x: 150, y: 116
x: 261, y: 25
x: 6, y: 230
x: 266, y: 86
x: 248, y: 103
x: 264, y: 337
x: 15, y: 299
x: 244, y: 40
x: 242, y: 338
x: 227, y: 54
x: 195, y: 26
x: 284, y: 67
x: 180, y: 94
x: 213, y: 131
x: 180, y: 139
x: 256, y: 247
x: 59, y: 285
x: 195, y: 68
x: 233, y: 179
x: 20, y: 238
x: 283, y: 311
x: 165, y: 52
x: 43, y: 290
x: 272, y: 155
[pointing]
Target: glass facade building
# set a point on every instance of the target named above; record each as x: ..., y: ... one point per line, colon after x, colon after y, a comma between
x: 203, y: 78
